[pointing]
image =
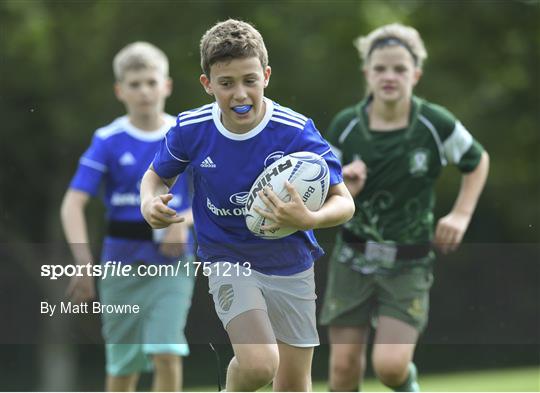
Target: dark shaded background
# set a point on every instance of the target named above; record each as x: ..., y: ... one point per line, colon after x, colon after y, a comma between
x: 56, y: 88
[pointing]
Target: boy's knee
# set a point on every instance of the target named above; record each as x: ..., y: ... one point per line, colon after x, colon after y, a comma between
x: 263, y: 373
x: 348, y: 362
x: 261, y: 365
x: 342, y: 368
x: 391, y: 369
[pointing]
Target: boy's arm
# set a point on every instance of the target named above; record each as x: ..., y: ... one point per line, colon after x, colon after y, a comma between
x: 354, y: 176
x: 188, y: 217
x: 451, y: 228
x: 337, y: 209
x: 154, y: 199
x: 80, y: 289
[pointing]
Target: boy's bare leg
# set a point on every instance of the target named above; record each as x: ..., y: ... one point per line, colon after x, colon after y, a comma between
x: 294, y: 372
x: 393, y: 350
x: 167, y: 373
x: 347, y: 357
x: 122, y: 383
x: 256, y: 354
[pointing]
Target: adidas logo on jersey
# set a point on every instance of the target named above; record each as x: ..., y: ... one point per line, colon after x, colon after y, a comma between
x: 208, y: 163
x: 127, y: 159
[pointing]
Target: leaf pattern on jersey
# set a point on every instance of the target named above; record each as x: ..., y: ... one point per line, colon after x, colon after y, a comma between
x: 368, y: 222
x: 417, y: 220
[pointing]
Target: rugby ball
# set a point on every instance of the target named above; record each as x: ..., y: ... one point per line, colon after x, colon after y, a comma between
x: 307, y: 172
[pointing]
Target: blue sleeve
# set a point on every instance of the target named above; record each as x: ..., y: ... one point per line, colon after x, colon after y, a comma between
x: 93, y: 164
x: 310, y: 139
x: 171, y: 158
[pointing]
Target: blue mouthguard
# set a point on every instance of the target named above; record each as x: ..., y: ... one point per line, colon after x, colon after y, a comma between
x: 242, y: 109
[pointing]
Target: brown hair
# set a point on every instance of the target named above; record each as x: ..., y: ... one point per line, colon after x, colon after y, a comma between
x: 231, y: 39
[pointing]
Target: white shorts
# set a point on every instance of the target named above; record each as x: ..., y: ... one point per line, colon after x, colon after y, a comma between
x: 289, y: 301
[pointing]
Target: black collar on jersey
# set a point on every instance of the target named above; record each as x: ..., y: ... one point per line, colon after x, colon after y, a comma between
x: 390, y: 41
x: 363, y: 117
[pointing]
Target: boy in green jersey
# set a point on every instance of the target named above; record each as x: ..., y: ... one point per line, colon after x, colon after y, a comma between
x: 393, y: 146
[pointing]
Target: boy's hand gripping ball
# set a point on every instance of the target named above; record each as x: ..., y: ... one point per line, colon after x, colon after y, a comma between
x: 307, y: 172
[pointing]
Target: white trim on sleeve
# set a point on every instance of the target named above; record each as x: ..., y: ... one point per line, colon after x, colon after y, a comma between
x: 457, y: 144
x: 93, y: 164
x: 170, y: 152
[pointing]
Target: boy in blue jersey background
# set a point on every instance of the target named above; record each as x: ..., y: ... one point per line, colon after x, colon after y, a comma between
x: 116, y: 159
x: 267, y: 306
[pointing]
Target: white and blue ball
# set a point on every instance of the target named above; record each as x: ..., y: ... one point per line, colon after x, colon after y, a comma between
x: 306, y: 171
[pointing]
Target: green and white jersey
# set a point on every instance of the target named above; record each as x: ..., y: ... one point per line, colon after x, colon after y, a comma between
x: 398, y: 197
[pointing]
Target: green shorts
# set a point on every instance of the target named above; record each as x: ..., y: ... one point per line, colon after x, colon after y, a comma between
x: 355, y: 299
x: 157, y: 328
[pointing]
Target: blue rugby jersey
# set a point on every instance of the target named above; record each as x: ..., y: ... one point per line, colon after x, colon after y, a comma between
x: 224, y: 166
x: 117, y: 158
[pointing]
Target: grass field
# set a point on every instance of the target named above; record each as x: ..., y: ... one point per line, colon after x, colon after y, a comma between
x: 504, y: 380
